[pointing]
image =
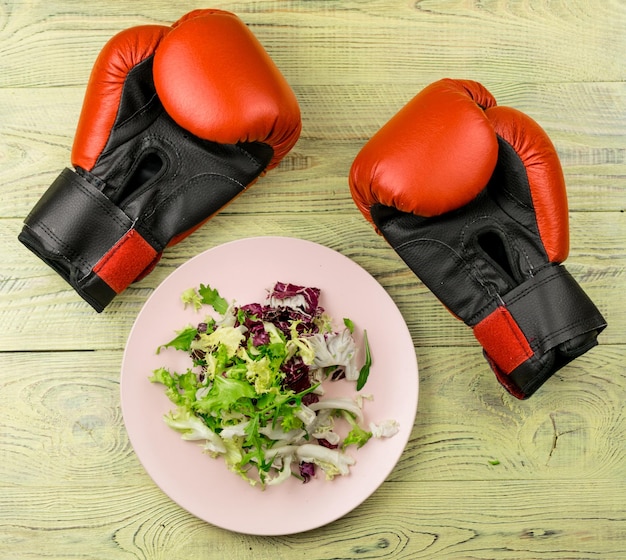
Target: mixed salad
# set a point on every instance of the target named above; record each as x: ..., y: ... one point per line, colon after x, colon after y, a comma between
x: 254, y: 391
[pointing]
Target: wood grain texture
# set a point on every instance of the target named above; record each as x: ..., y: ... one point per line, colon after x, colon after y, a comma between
x: 71, y: 485
x: 492, y: 521
x: 69, y: 478
x: 31, y: 294
x: 65, y: 424
x: 343, y: 42
x: 585, y: 123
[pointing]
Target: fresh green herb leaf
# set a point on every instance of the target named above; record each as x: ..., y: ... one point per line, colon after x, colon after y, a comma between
x: 365, y: 370
x: 211, y: 296
x: 494, y: 462
x: 349, y: 324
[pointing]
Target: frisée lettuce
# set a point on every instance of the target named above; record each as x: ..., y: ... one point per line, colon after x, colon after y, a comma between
x: 253, y: 393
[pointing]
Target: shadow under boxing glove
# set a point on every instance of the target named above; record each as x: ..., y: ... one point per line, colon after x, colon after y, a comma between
x: 472, y: 197
x: 176, y: 122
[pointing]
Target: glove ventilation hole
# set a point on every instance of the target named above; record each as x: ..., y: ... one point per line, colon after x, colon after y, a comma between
x: 147, y: 168
x: 495, y: 249
x: 149, y: 165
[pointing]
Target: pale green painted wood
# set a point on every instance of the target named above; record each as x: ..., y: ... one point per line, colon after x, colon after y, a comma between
x: 70, y: 484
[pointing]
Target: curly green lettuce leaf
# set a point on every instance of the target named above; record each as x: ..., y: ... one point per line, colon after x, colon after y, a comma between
x: 191, y: 297
x: 180, y: 388
x: 228, y: 337
x: 182, y: 340
x: 225, y: 394
x: 262, y: 365
x: 357, y: 435
x: 210, y: 296
x: 204, y: 295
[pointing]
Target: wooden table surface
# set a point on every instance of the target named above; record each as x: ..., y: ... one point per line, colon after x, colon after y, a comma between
x: 70, y: 483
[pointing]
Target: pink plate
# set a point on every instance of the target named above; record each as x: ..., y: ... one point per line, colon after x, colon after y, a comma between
x: 242, y: 271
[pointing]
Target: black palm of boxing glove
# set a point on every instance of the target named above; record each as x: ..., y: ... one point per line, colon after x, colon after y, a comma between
x: 472, y: 197
x: 177, y: 121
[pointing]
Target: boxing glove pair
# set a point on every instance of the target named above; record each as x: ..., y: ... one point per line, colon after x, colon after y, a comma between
x: 471, y: 195
x: 176, y: 122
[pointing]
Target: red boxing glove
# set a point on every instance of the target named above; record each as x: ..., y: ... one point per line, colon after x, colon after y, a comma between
x: 176, y: 122
x: 472, y: 197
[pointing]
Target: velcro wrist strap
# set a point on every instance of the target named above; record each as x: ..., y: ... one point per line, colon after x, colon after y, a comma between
x: 545, y: 312
x: 86, y: 238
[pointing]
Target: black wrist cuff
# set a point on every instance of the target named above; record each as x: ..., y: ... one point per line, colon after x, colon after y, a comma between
x: 77, y: 230
x: 549, y: 321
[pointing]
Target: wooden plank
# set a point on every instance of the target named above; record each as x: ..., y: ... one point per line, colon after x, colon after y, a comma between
x: 488, y: 520
x: 346, y: 42
x: 32, y: 295
x: 586, y: 123
x: 70, y: 483
x: 67, y: 421
x: 573, y: 428
x: 558, y: 490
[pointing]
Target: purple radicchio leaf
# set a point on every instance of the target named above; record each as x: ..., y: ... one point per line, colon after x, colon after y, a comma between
x: 310, y: 398
x: 307, y: 471
x: 296, y: 375
x: 281, y: 318
x: 311, y: 296
x: 253, y: 321
x: 325, y: 443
